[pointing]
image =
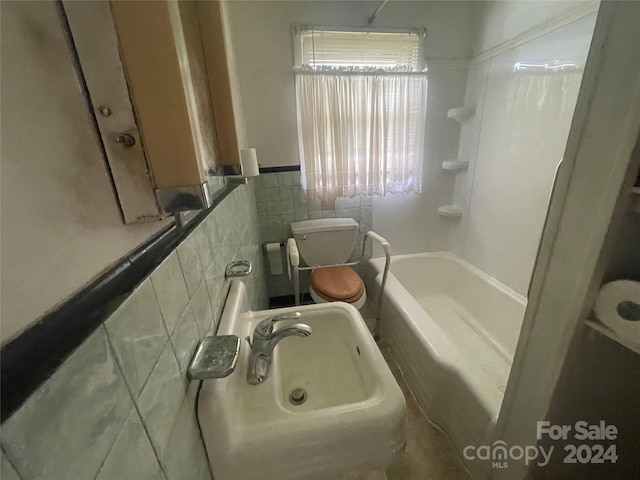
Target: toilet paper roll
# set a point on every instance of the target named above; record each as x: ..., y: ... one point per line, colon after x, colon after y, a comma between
x: 618, y: 307
x: 275, y: 258
x: 249, y: 162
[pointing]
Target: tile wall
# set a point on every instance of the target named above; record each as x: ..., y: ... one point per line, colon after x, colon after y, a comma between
x: 280, y: 201
x: 121, y: 405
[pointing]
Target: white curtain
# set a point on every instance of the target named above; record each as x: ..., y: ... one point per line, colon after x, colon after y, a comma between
x: 360, y: 130
x: 538, y: 101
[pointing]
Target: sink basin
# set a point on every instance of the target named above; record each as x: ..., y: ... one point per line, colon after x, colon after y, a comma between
x: 351, y: 418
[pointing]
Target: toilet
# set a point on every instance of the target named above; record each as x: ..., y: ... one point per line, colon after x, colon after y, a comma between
x: 330, y: 241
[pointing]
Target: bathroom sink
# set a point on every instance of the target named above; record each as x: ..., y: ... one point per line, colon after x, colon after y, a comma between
x: 329, y: 404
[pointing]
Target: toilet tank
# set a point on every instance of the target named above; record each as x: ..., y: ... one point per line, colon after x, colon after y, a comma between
x: 326, y: 241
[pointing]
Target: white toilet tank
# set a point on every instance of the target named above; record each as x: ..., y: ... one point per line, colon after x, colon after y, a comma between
x: 326, y: 241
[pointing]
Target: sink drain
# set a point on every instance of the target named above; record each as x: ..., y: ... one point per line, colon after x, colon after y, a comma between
x: 298, y: 396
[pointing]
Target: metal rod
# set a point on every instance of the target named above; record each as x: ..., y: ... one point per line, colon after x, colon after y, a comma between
x: 296, y: 285
x: 355, y: 73
x: 349, y: 264
x: 293, y: 261
x: 376, y: 329
x: 380, y: 298
x: 377, y: 11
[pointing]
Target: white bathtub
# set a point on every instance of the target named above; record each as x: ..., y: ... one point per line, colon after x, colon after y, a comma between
x: 453, y: 330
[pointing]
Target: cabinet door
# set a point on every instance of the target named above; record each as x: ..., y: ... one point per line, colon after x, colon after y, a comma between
x: 94, y: 37
x: 147, y: 78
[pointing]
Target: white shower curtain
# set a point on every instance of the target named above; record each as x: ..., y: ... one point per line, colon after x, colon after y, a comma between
x: 360, y: 130
x: 537, y: 100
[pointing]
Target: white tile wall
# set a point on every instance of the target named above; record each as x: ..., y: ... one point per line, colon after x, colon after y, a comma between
x: 514, y: 143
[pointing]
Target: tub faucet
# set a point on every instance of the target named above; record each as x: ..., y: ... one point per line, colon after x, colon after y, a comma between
x: 265, y: 340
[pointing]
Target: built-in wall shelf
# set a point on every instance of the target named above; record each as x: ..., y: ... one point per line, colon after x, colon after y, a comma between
x: 461, y: 114
x: 451, y: 211
x: 455, y: 165
x: 613, y: 335
x: 635, y: 199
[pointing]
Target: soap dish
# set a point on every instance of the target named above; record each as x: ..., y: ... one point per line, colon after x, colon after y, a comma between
x: 239, y: 268
x: 451, y: 211
x: 215, y: 357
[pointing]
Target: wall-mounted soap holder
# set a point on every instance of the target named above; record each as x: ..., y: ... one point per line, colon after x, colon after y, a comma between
x: 461, y: 114
x: 239, y: 268
x: 455, y: 166
x: 215, y: 357
x: 450, y: 211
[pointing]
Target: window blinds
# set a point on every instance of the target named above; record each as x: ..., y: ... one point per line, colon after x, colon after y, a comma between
x: 320, y: 48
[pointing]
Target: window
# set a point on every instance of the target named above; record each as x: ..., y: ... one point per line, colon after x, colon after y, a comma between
x: 361, y: 104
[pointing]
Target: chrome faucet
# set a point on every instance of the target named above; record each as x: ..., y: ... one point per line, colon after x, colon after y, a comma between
x: 265, y: 340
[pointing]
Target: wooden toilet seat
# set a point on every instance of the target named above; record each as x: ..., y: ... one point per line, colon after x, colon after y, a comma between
x: 337, y: 284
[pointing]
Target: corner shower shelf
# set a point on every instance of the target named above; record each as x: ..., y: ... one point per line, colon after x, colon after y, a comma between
x: 461, y: 114
x: 451, y: 211
x: 455, y: 165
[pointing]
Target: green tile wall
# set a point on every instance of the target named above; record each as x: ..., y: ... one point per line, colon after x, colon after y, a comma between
x: 121, y: 405
x: 280, y: 201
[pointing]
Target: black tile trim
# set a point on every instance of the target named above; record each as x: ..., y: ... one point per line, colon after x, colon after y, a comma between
x: 289, y: 300
x: 286, y: 168
x: 33, y: 356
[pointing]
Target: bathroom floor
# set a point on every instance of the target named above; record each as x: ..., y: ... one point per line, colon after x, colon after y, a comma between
x: 428, y: 455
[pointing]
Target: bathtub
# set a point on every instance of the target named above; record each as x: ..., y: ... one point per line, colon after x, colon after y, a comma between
x: 453, y: 330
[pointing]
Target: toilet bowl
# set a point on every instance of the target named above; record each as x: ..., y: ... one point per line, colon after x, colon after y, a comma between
x: 330, y: 241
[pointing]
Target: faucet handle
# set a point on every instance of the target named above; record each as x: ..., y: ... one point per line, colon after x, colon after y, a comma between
x: 265, y: 327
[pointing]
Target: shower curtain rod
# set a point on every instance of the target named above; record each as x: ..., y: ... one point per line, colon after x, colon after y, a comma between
x: 376, y: 11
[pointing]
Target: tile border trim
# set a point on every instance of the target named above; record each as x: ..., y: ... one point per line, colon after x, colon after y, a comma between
x: 286, y: 168
x: 29, y: 359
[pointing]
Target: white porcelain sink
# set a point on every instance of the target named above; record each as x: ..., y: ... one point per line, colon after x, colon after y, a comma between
x: 353, y: 417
